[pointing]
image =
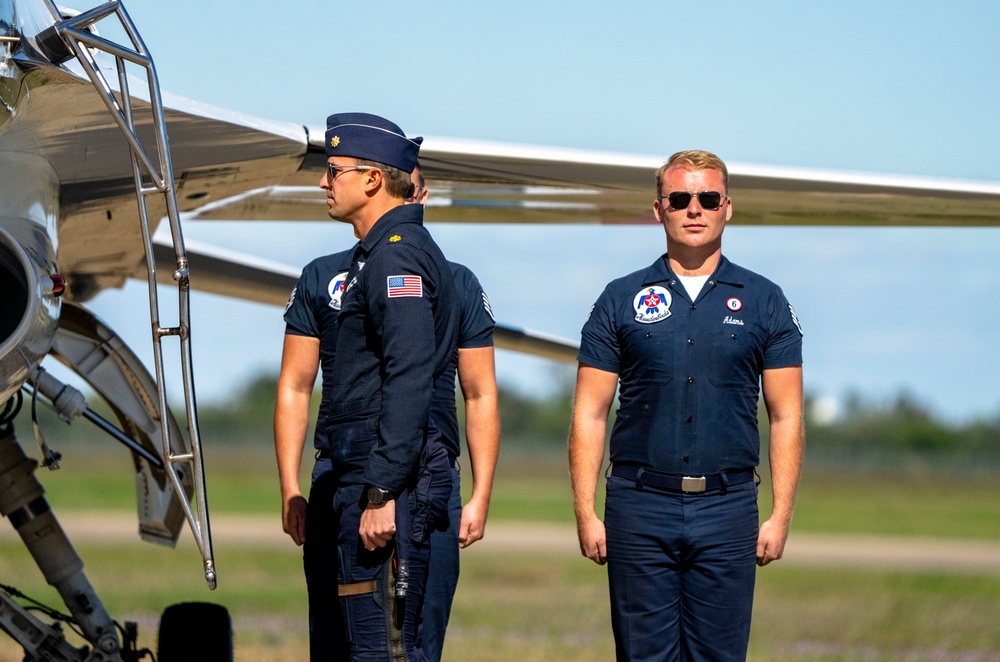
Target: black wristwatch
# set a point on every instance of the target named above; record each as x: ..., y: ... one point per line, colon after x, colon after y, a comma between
x: 377, y: 496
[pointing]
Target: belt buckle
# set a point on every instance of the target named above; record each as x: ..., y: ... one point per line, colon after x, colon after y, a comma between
x: 693, y: 484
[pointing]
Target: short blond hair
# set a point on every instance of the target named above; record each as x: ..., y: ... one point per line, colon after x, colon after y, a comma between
x: 693, y: 159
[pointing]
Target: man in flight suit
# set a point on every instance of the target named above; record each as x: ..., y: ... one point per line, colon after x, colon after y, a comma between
x: 395, y: 333
x: 311, y: 318
x: 690, y: 341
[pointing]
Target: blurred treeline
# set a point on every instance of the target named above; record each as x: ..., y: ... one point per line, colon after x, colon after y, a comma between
x: 899, y: 433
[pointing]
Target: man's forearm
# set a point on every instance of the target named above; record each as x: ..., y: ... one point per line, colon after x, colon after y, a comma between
x: 786, y: 448
x: 586, y: 454
x: 291, y: 421
x: 482, y: 433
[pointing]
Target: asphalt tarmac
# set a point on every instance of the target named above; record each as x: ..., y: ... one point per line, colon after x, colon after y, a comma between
x: 803, y: 549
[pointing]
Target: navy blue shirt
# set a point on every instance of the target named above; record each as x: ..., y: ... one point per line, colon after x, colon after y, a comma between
x: 476, y: 330
x: 689, y: 372
x: 312, y: 312
x: 398, y: 329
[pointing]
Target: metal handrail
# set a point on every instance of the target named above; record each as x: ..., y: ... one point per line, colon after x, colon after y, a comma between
x: 73, y: 32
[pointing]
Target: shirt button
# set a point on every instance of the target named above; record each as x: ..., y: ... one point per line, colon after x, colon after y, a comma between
x: 690, y: 341
x: 690, y: 418
x: 690, y: 380
x: 685, y: 458
x: 692, y: 306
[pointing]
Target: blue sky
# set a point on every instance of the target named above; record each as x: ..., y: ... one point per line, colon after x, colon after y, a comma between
x: 854, y: 86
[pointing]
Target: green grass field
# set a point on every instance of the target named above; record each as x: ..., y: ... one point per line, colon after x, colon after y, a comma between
x: 546, y: 606
x: 535, y: 487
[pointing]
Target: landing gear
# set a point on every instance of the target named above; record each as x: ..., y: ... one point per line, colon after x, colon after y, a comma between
x: 195, y: 632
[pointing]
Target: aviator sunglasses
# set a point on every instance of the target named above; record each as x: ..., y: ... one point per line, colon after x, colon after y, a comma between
x: 710, y: 200
x: 335, y: 170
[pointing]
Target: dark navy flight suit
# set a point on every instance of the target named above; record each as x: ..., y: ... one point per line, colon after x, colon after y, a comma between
x: 475, y: 330
x: 397, y: 330
x: 312, y: 311
x: 682, y: 551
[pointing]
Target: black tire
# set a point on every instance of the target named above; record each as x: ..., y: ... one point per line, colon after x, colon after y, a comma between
x: 195, y: 632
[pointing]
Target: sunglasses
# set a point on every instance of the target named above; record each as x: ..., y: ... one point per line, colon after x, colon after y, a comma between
x: 335, y: 170
x: 417, y: 191
x: 710, y: 200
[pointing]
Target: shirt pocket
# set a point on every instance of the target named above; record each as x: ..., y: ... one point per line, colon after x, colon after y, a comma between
x: 651, y: 354
x: 731, y: 359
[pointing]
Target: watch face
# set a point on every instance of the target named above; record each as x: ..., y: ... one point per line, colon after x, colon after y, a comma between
x: 376, y: 496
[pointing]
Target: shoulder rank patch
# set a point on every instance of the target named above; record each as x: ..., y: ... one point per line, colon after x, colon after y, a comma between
x: 652, y: 304
x: 487, y: 308
x: 405, y: 286
x: 795, y: 319
x: 394, y: 238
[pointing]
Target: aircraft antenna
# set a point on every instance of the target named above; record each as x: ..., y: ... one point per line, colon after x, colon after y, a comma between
x: 71, y: 37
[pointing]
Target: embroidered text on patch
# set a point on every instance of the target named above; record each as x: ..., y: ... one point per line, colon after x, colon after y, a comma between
x: 405, y: 286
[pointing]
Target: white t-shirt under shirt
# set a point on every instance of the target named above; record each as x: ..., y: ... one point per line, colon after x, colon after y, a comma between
x: 693, y: 284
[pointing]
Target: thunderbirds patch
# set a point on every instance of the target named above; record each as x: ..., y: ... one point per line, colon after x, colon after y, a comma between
x: 336, y: 290
x: 652, y: 304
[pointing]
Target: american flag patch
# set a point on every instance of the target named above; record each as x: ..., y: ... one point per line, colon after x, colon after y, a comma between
x: 405, y: 286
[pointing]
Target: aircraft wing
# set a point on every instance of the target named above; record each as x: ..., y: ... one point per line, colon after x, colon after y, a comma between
x: 243, y: 276
x: 478, y: 181
x: 230, y: 166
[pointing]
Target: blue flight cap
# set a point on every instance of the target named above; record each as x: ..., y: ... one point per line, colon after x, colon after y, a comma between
x: 366, y: 136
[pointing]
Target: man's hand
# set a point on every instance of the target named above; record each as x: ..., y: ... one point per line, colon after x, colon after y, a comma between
x: 771, y: 542
x: 592, y: 539
x: 473, y: 526
x: 293, y: 518
x: 378, y: 525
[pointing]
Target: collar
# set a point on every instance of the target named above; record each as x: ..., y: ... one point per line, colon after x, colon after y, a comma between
x: 401, y: 215
x: 660, y: 271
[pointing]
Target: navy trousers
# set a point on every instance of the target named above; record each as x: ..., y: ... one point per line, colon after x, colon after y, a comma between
x: 442, y: 578
x: 327, y: 642
x: 359, y: 627
x: 681, y: 571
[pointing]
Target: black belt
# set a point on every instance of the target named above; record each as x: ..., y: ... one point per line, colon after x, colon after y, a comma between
x: 644, y: 477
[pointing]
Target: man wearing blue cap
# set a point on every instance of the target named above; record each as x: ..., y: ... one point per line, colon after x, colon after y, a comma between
x: 311, y: 320
x: 396, y: 331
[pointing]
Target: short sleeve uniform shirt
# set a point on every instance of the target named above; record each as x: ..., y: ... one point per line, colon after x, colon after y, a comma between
x: 689, y: 371
x: 475, y: 330
x: 312, y: 312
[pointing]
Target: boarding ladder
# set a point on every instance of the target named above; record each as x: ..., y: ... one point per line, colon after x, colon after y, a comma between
x: 83, y: 43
